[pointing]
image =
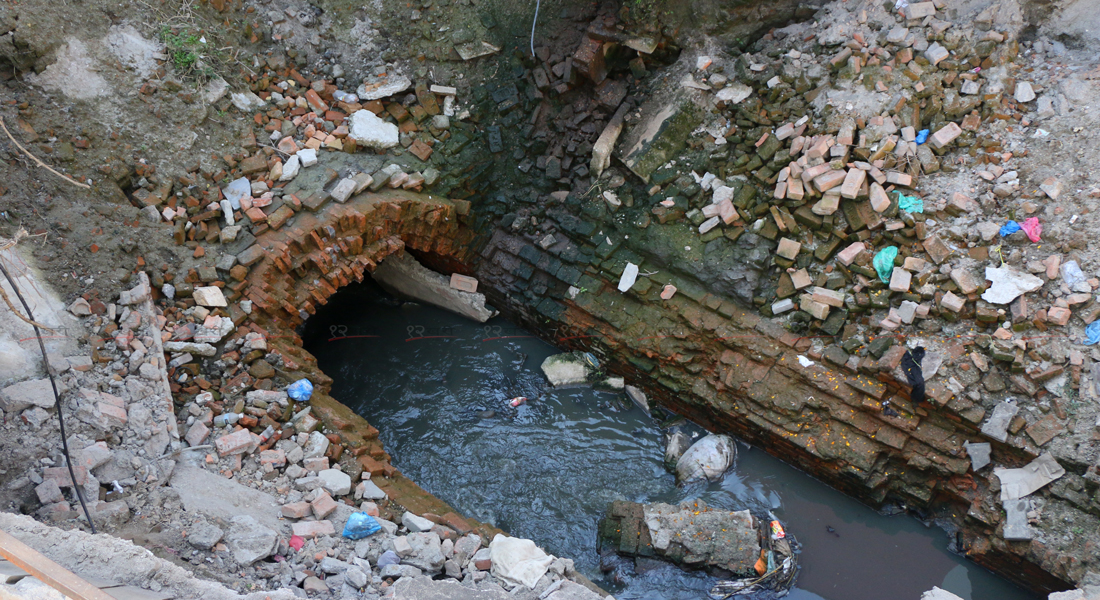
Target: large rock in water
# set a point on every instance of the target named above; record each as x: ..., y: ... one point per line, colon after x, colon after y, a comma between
x: 690, y: 534
x: 709, y: 459
x: 370, y: 131
x: 565, y: 369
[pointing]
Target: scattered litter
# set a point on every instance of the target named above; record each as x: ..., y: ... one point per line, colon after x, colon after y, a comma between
x: 910, y: 204
x: 1092, y: 332
x: 296, y: 542
x: 922, y: 136
x: 884, y: 262
x: 360, y: 525
x: 1032, y: 228
x: 1072, y: 275
x: 300, y: 390
x: 518, y: 400
x: 1009, y: 228
x: 911, y: 364
x: 805, y: 362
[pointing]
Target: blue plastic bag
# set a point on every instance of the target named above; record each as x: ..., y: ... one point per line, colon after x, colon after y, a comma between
x: 884, y: 262
x: 910, y: 204
x: 922, y: 136
x: 360, y: 525
x: 1009, y: 228
x: 300, y: 390
x: 1092, y: 332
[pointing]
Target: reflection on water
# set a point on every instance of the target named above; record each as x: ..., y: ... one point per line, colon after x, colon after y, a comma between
x: 438, y: 388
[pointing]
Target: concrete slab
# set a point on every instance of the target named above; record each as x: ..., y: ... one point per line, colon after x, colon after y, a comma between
x: 997, y: 425
x: 979, y: 454
x: 1017, y: 483
x: 215, y: 496
x: 1016, y: 527
x: 403, y: 275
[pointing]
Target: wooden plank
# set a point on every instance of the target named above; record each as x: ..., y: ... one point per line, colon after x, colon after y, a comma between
x: 47, y: 571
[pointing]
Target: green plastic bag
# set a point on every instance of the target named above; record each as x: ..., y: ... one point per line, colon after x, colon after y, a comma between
x: 884, y: 262
x: 910, y: 204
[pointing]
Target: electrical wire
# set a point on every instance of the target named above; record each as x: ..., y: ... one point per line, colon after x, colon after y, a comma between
x: 533, y: 21
x: 56, y: 396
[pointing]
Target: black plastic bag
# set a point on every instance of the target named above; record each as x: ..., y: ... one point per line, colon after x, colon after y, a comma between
x: 911, y: 364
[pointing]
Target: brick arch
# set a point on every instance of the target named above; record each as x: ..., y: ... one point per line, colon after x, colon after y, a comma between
x: 301, y: 266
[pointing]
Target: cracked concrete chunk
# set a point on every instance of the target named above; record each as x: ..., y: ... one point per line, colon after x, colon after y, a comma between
x: 659, y: 135
x: 978, y: 453
x: 997, y: 425
x: 1007, y: 284
x: 1017, y: 483
x: 565, y: 369
x: 404, y: 276
x: 1016, y: 527
x: 248, y: 540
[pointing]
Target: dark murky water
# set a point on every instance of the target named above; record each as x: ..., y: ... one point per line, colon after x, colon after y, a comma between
x: 437, y: 386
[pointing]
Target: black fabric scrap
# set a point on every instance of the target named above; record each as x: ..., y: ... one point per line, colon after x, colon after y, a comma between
x: 910, y: 363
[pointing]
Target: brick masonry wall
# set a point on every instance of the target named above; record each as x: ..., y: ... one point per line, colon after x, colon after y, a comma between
x: 699, y: 354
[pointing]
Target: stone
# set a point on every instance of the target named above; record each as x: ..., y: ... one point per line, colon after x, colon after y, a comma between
x: 880, y: 201
x: 937, y: 593
x: 369, y: 491
x: 782, y: 306
x: 398, y: 571
x: 343, y: 190
x: 296, y: 510
x: 248, y: 540
x: 788, y: 248
x: 356, y: 577
x: 49, y: 492
x: 1016, y: 528
x: 425, y: 551
x: 376, y: 87
x: 962, y: 278
x: 464, y: 283
x: 899, y: 280
x: 204, y: 535
x: 80, y: 306
x: 734, y: 92
x: 191, y: 348
x: 565, y: 369
x: 307, y: 157
x: 1018, y: 483
x: 920, y: 10
x: 1023, y: 92
x: 629, y: 277
x: 834, y: 298
x: 907, y: 311
x: 979, y: 454
x: 316, y: 446
x: 945, y: 136
x: 416, y: 523
x: 847, y: 255
x: 33, y: 392
x: 996, y: 427
x: 237, y: 442
x: 312, y: 529
x: 315, y: 584
x: 371, y: 132
x: 936, y: 249
x: 322, y: 506
x: 209, y: 296
x: 1007, y: 284
x: 290, y: 168
x: 337, y: 482
x: 853, y: 181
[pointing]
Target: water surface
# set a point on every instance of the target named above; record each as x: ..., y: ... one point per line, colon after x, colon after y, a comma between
x: 438, y: 388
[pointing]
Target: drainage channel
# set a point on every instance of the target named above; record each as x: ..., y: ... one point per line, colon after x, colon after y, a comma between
x: 438, y: 387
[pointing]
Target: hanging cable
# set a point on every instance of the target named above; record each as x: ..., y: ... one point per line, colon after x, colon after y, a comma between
x: 56, y: 396
x: 533, y: 21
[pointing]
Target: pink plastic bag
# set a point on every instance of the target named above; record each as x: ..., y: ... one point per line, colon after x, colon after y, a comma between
x: 1032, y: 228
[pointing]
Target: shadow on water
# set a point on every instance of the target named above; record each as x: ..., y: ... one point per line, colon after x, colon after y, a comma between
x: 438, y: 388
